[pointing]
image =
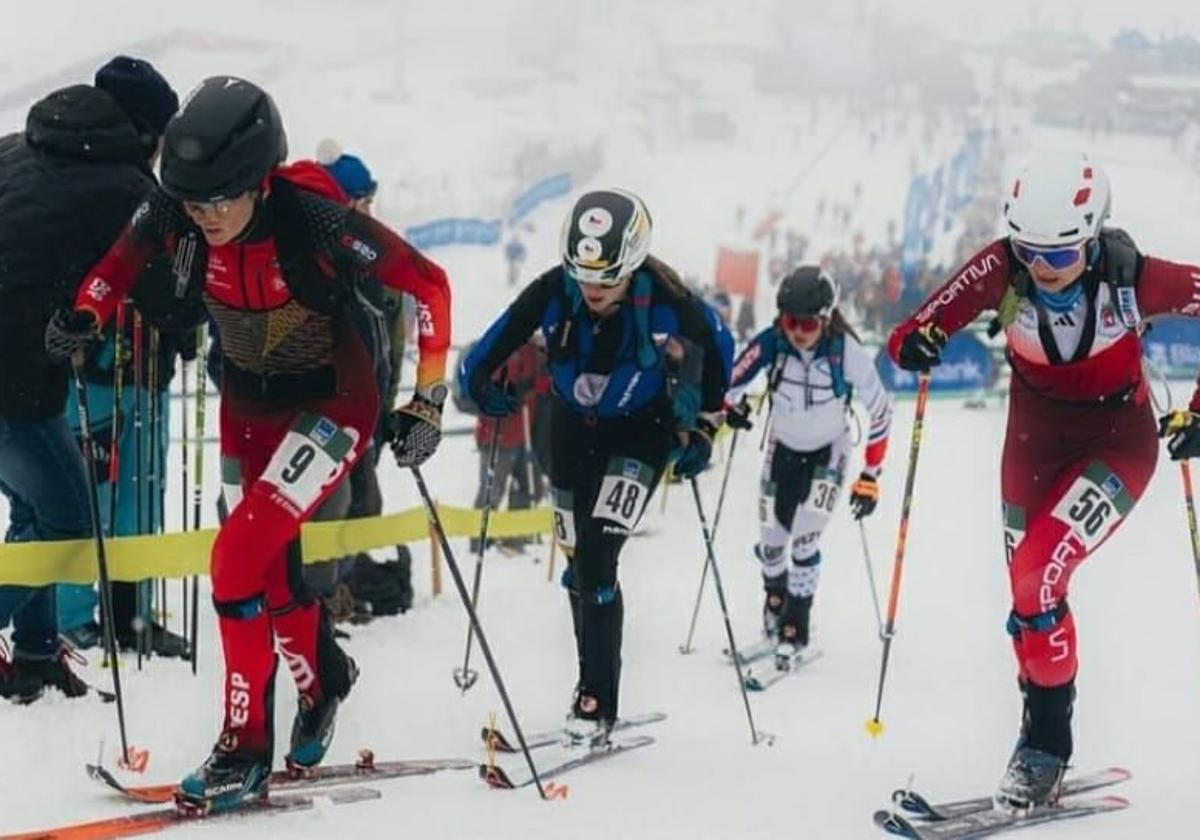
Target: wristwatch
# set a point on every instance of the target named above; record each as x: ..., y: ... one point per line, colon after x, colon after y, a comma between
x: 435, y: 393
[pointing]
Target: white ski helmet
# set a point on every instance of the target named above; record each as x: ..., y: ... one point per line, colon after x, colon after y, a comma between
x: 1058, y: 198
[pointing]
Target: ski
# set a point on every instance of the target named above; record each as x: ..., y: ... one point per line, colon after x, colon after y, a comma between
x: 769, y: 676
x: 164, y: 818
x: 990, y: 822
x: 747, y: 655
x: 328, y: 775
x: 921, y: 808
x: 497, y: 777
x: 498, y: 741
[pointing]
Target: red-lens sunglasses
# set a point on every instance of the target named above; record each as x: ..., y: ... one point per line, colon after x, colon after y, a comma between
x: 804, y: 323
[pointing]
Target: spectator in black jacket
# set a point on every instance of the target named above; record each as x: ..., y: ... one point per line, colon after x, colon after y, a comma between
x: 150, y: 102
x: 68, y: 184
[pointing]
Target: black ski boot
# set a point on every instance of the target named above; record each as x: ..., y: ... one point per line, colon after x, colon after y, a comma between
x: 587, y: 726
x: 16, y: 685
x: 773, y: 603
x: 1039, y: 762
x: 793, y: 630
x: 316, y: 719
x: 228, y: 778
x: 55, y: 673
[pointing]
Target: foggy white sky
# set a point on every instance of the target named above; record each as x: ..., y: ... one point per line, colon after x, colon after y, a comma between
x: 1100, y: 19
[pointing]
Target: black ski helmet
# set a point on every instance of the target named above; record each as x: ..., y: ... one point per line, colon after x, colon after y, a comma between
x: 807, y: 291
x: 223, y: 142
x: 605, y: 237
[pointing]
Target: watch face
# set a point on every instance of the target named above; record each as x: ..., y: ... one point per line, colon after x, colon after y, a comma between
x: 438, y: 393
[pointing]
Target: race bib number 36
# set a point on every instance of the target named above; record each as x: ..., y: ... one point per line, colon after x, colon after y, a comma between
x: 624, y: 492
x: 311, y: 455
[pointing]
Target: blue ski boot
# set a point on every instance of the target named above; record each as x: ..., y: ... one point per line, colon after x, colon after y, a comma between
x: 228, y: 779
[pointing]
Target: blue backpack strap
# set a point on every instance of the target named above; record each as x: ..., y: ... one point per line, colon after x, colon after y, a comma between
x: 647, y: 356
x: 836, y: 349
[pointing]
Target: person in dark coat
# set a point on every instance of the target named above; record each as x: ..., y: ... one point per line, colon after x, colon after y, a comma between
x: 68, y: 184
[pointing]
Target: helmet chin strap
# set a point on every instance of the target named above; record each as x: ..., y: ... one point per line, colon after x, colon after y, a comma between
x: 255, y: 228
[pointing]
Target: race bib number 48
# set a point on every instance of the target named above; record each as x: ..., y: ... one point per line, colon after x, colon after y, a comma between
x: 624, y: 492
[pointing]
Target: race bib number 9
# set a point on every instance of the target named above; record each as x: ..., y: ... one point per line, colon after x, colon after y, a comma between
x: 310, y: 457
x: 624, y: 492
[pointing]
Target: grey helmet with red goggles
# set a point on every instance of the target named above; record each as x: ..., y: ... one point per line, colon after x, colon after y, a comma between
x: 808, y: 292
x: 606, y: 237
x: 1059, y: 199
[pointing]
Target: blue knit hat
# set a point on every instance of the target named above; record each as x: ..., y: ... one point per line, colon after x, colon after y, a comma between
x: 348, y: 170
x: 141, y: 91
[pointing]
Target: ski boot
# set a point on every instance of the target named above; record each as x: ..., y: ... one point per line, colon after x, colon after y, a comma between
x: 586, y: 727
x: 316, y: 718
x: 793, y: 631
x: 1033, y: 779
x: 228, y: 779
x: 16, y: 685
x: 1035, y: 771
x: 773, y: 603
x: 55, y: 673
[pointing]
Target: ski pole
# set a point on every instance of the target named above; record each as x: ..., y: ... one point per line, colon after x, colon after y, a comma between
x: 686, y: 647
x: 183, y: 494
x: 773, y: 381
x: 755, y: 735
x: 475, y: 623
x: 118, y: 417
x: 529, y: 470
x: 875, y: 725
x: 198, y: 487
x: 464, y: 677
x: 1185, y: 472
x: 862, y: 530
x: 154, y: 487
x: 106, y: 605
x: 139, y: 463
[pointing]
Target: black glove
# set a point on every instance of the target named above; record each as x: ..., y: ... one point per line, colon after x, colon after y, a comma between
x: 496, y: 399
x: 738, y: 416
x: 922, y: 348
x: 415, y: 430
x: 1182, y: 427
x: 70, y: 330
x: 864, y: 495
x: 695, y: 454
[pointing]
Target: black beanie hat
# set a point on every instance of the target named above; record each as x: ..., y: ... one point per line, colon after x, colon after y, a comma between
x: 142, y: 92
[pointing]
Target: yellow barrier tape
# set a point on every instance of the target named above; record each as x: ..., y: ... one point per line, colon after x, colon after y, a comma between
x: 187, y: 553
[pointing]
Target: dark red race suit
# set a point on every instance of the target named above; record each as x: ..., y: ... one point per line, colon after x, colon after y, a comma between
x: 298, y: 400
x: 1081, y: 442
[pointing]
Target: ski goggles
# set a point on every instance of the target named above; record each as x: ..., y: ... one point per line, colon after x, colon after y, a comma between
x: 603, y: 277
x: 1057, y: 258
x: 803, y: 323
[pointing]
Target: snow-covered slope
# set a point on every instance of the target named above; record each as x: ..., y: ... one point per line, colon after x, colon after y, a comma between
x: 951, y: 703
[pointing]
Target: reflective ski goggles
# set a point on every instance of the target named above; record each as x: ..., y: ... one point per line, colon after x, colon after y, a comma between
x: 1057, y: 258
x: 803, y: 323
x: 604, y: 277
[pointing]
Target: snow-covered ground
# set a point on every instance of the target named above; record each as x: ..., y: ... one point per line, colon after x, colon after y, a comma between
x: 951, y: 705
